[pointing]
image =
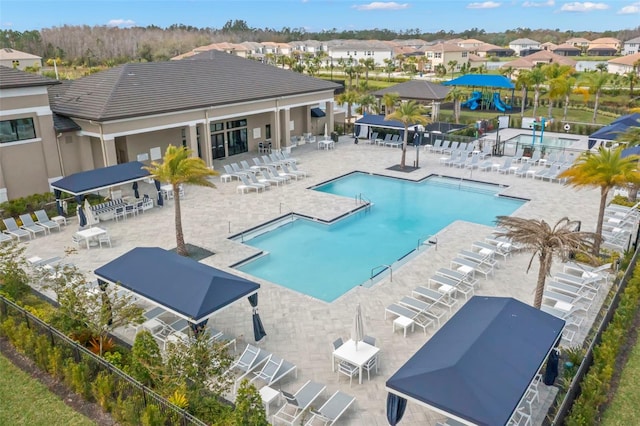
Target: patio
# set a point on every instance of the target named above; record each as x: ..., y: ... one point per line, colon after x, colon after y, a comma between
x: 299, y: 328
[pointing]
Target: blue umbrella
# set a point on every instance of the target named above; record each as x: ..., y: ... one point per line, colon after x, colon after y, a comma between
x: 395, y: 408
x: 160, y: 200
x: 634, y: 150
x: 258, y: 328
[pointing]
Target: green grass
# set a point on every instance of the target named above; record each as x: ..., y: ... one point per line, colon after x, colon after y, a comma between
x: 25, y: 401
x: 625, y: 407
x: 573, y: 115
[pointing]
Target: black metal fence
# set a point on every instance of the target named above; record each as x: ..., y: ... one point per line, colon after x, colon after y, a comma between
x: 123, y: 387
x: 601, y: 323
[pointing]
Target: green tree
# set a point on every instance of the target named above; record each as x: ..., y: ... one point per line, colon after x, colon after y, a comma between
x: 605, y: 170
x: 408, y: 113
x: 456, y: 95
x: 539, y: 238
x: 14, y: 281
x: 390, y: 100
x: 556, y: 75
x: 146, y: 359
x: 536, y: 79
x: 389, y: 67
x: 348, y: 97
x: 178, y: 167
x: 369, y: 65
x: 366, y: 102
x: 523, y: 83
x: 249, y: 407
x: 452, y: 66
x: 595, y: 81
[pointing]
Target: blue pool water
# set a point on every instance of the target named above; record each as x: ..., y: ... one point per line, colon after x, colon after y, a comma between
x: 325, y: 261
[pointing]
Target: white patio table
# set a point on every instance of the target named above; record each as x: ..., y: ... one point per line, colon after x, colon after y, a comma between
x: 88, y: 234
x: 360, y: 356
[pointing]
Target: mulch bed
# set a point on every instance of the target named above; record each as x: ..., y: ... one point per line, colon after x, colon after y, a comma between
x: 407, y: 169
x: 195, y: 252
x: 73, y: 400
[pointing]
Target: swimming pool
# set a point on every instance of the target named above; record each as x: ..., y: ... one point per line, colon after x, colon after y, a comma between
x: 327, y: 260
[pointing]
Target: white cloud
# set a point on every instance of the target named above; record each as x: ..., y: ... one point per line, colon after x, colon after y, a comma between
x: 382, y: 5
x: 483, y: 5
x: 632, y: 9
x: 586, y: 6
x: 121, y: 23
x: 548, y: 3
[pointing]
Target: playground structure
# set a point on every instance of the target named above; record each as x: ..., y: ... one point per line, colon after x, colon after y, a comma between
x: 487, y: 97
x: 485, y: 100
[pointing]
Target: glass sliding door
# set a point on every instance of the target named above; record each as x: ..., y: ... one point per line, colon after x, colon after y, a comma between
x: 217, y: 140
x: 237, y: 136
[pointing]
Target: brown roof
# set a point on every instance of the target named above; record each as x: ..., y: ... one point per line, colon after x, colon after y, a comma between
x: 416, y: 89
x: 565, y: 47
x: 626, y: 60
x: 538, y: 57
x: 207, y: 79
x: 6, y: 53
x: 11, y: 78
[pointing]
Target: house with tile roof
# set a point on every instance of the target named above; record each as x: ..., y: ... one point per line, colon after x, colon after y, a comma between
x: 216, y: 104
x: 579, y: 42
x: 487, y: 49
x: 359, y: 49
x: 623, y: 64
x: 12, y: 58
x: 443, y: 53
x: 29, y: 142
x: 632, y: 46
x: 566, y: 49
x: 604, y: 46
x: 542, y: 57
x: 523, y: 45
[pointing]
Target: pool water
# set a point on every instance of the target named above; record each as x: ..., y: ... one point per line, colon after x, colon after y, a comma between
x: 547, y: 141
x: 327, y: 260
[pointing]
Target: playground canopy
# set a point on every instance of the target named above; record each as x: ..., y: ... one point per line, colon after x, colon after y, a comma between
x: 481, y: 80
x: 478, y: 366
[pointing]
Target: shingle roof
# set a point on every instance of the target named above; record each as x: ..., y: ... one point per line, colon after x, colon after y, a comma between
x: 207, y: 79
x: 523, y: 41
x: 416, y: 89
x: 11, y: 78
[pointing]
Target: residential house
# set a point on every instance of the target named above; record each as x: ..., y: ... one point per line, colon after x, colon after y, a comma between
x: 444, y: 53
x: 214, y: 103
x: 358, y: 49
x: 487, y: 49
x: 523, y: 46
x: 579, y: 42
x: 632, y: 46
x: 605, y: 46
x: 12, y: 58
x: 307, y: 46
x: 548, y: 46
x: 471, y: 44
x: 542, y: 57
x: 624, y: 64
x: 29, y: 144
x: 566, y: 49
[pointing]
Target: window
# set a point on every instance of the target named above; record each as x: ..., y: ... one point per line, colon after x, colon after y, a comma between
x: 464, y: 54
x: 15, y: 63
x: 267, y: 131
x: 236, y: 123
x: 437, y: 55
x: 17, y: 130
x: 217, y: 127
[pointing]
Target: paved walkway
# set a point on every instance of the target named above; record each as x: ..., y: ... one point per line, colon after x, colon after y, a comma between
x: 300, y: 328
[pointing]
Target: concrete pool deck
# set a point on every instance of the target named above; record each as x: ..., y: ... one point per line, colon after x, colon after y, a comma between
x: 299, y: 328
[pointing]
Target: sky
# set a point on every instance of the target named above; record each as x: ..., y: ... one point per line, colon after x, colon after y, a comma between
x: 317, y: 15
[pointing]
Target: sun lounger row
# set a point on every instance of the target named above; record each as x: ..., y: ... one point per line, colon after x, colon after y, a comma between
x: 29, y: 228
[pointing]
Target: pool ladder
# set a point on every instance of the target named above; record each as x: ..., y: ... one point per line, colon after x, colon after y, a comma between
x: 430, y: 240
x: 362, y: 200
x: 384, y: 267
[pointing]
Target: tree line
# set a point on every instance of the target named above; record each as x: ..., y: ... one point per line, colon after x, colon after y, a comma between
x: 104, y: 45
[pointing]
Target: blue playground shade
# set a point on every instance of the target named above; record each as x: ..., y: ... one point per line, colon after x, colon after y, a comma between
x: 481, y: 80
x: 478, y: 366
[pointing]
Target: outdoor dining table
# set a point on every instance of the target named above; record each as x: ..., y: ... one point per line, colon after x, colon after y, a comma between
x: 326, y: 144
x: 167, y: 191
x: 88, y: 234
x: 359, y: 355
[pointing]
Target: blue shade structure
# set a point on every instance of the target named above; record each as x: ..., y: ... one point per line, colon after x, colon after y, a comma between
x: 102, y: 178
x: 476, y: 369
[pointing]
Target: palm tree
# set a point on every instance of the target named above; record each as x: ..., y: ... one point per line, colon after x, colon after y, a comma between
x: 563, y: 86
x: 408, y: 113
x: 452, y: 66
x: 539, y: 238
x: 605, y: 170
x: 536, y: 79
x: 595, y: 81
x: 369, y: 65
x: 631, y: 138
x: 389, y: 67
x: 349, y: 97
x: 556, y: 75
x: 179, y: 167
x: 366, y: 102
x: 522, y: 83
x: 631, y: 78
x: 507, y: 71
x: 390, y: 100
x: 456, y: 95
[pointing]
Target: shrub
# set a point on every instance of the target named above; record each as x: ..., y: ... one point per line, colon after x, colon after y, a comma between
x: 102, y: 390
x: 152, y: 416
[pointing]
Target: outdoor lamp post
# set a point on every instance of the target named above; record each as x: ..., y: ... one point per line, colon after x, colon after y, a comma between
x: 420, y: 131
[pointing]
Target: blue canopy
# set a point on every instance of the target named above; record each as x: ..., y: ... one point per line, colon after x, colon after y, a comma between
x: 634, y: 150
x: 379, y: 121
x: 608, y: 133
x: 478, y: 366
x: 105, y: 177
x: 629, y: 119
x: 481, y: 80
x: 187, y: 288
x: 317, y: 112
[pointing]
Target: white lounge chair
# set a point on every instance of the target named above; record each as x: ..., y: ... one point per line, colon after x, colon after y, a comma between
x: 273, y: 179
x: 44, y: 221
x: 248, y: 185
x: 298, y: 403
x: 13, y: 229
x: 251, y: 358
x: 331, y: 411
x: 296, y: 173
x: 29, y: 225
x: 273, y: 370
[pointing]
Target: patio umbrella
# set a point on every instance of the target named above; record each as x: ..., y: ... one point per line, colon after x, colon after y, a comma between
x: 357, y: 334
x: 157, y: 184
x: 81, y: 216
x: 58, y: 194
x: 326, y: 134
x: 88, y: 213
